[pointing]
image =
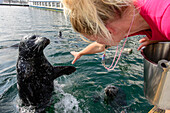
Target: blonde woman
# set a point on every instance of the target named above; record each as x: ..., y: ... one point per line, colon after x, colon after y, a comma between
x: 107, y: 22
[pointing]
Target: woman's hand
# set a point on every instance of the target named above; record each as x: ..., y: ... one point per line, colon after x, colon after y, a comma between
x: 76, y: 55
x: 90, y: 49
x: 145, y: 41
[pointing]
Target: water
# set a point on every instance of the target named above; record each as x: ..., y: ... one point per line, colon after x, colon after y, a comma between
x: 82, y: 91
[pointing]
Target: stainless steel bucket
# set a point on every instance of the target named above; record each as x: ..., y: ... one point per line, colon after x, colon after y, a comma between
x: 157, y: 74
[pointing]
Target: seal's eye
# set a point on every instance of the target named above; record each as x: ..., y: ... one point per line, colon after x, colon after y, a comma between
x: 33, y: 37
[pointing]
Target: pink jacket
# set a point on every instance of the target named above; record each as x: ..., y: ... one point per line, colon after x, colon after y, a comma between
x: 157, y: 15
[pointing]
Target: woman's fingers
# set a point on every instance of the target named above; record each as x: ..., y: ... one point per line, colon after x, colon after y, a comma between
x: 145, y: 41
x: 73, y: 53
x: 74, y: 60
x: 142, y: 45
x: 76, y: 56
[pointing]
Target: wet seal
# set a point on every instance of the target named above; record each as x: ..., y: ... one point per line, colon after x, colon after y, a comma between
x: 115, y: 97
x: 112, y: 96
x: 111, y: 91
x: 35, y: 75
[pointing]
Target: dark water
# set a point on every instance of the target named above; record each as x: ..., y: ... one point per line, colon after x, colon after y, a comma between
x: 82, y: 91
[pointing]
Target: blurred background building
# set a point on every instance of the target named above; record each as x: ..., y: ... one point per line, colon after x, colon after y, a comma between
x: 46, y: 4
x: 14, y: 1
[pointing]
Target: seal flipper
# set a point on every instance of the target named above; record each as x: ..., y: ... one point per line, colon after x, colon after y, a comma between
x: 62, y: 70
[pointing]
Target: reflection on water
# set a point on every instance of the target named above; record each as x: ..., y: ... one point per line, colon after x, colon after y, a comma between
x: 82, y: 91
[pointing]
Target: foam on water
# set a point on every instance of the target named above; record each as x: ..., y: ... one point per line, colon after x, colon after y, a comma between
x: 67, y: 103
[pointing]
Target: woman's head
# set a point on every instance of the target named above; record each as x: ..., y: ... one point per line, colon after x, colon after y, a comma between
x: 89, y: 17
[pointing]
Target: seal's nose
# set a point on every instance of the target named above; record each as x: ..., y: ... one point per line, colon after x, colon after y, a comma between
x: 43, y: 39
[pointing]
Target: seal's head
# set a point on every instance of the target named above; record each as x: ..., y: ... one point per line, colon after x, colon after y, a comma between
x: 32, y: 45
x: 111, y: 91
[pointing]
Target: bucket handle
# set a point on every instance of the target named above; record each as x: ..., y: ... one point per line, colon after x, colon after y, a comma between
x: 165, y: 65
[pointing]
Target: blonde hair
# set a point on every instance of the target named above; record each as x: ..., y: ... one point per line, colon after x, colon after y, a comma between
x: 89, y: 16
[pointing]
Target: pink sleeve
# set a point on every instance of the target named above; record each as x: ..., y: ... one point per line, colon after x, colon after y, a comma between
x: 165, y: 23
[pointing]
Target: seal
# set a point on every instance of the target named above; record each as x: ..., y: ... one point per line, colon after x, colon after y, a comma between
x: 111, y: 91
x: 35, y: 75
x: 112, y: 96
x: 115, y: 97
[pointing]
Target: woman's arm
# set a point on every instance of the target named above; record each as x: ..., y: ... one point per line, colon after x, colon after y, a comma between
x: 90, y: 49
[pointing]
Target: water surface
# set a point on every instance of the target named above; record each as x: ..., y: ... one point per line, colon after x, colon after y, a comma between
x: 82, y: 91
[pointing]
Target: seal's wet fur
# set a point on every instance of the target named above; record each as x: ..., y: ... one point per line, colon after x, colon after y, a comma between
x: 111, y: 91
x: 35, y: 74
x: 115, y: 97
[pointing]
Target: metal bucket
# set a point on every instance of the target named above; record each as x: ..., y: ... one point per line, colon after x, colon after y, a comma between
x: 157, y: 74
